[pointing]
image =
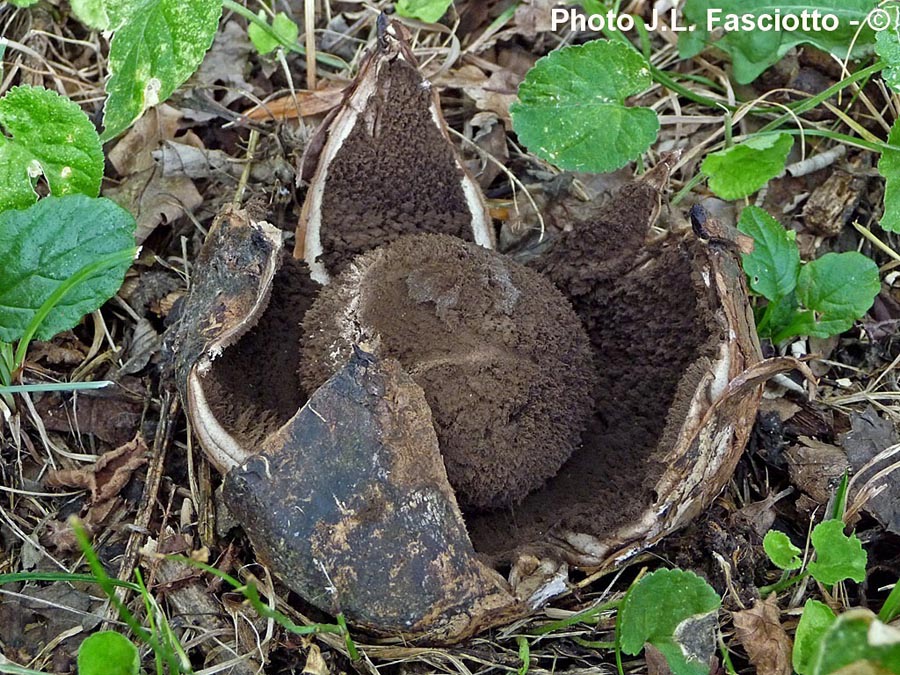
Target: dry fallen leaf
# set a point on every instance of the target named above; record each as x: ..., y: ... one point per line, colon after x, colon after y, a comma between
x: 759, y: 630
x: 815, y: 467
x: 105, y: 478
x: 144, y: 190
x: 870, y: 435
x: 111, y: 414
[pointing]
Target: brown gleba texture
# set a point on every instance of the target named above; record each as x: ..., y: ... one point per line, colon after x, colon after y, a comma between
x: 256, y: 388
x: 503, y: 360
x: 648, y: 318
x: 396, y: 147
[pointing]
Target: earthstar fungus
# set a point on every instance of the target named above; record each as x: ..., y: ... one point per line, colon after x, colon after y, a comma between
x: 503, y: 360
x: 347, y: 496
x: 382, y: 165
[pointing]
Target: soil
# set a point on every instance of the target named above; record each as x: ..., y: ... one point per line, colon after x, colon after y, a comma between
x: 503, y: 360
x: 398, y: 148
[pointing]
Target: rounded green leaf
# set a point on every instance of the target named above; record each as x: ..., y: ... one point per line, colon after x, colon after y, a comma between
x: 774, y: 264
x: 839, y: 288
x: 48, y: 135
x: 887, y: 46
x: 108, y: 653
x: 754, y: 49
x: 781, y: 551
x: 47, y: 245
x: 743, y: 169
x: 571, y: 109
x: 856, y: 637
x: 816, y: 619
x: 424, y: 10
x: 91, y: 13
x: 838, y: 556
x: 157, y: 45
x: 284, y: 29
x: 675, y: 611
x: 889, y: 167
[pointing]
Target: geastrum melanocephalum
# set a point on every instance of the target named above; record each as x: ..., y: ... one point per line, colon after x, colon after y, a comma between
x: 464, y: 411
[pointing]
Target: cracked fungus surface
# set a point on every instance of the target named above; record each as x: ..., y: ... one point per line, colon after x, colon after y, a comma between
x: 503, y: 360
x: 396, y: 146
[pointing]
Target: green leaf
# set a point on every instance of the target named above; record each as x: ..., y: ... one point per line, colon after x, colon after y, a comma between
x: 752, y: 51
x: 108, y: 653
x: 286, y: 33
x: 24, y: 3
x: 91, y: 13
x: 429, y: 11
x: 44, y: 246
x: 889, y: 167
x: 46, y: 134
x: 157, y: 45
x: 781, y: 551
x: 858, y: 638
x: 839, y: 288
x: 887, y: 46
x: 675, y: 611
x: 774, y: 264
x: 571, y: 109
x: 743, y: 169
x: 838, y: 556
x: 815, y: 621
x: 778, y: 315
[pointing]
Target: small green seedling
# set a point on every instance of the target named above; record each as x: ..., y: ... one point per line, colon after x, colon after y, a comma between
x: 108, y: 653
x: 424, y: 10
x: 62, y: 256
x: 837, y: 556
x: 742, y: 169
x: 820, y: 298
x: 571, y: 109
x: 282, y: 32
x: 857, y: 642
x: 814, y: 623
x: 753, y: 49
x: 675, y: 611
x: 783, y: 554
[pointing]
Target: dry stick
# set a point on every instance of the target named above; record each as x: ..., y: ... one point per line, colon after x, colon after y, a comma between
x: 509, y: 174
x: 245, y: 174
x: 165, y: 433
x: 309, y: 20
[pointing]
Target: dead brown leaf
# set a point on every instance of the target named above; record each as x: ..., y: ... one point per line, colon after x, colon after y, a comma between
x: 151, y: 196
x: 108, y: 476
x: 815, y: 467
x: 112, y: 414
x: 303, y: 103
x: 870, y: 435
x: 759, y: 630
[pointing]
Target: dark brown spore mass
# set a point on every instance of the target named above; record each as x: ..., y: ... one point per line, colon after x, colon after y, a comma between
x: 503, y: 360
x: 395, y: 174
x: 256, y: 389
x: 647, y: 312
